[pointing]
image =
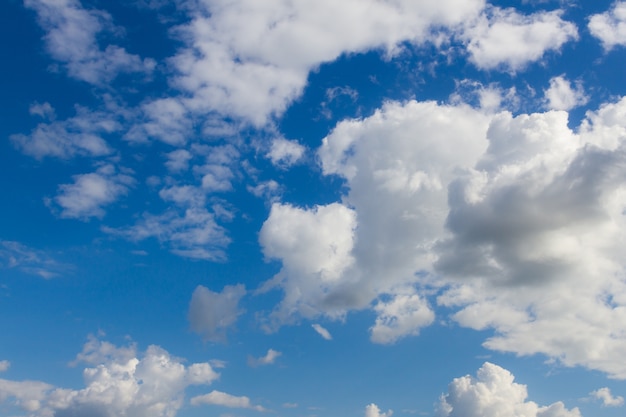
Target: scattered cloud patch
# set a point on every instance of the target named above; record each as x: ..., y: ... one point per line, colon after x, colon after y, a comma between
x: 81, y: 135
x: 4, y: 365
x: 225, y: 400
x: 610, y: 26
x: 608, y: 400
x: 285, y: 153
x: 322, y: 331
x: 89, y: 193
x: 493, y: 393
x: 268, y: 359
x: 72, y: 33
x: 29, y: 260
x: 504, y: 38
x: 211, y: 314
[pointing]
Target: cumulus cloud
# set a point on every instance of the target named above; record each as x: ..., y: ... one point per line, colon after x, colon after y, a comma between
x: 89, y: 193
x: 561, y: 95
x: 4, y: 365
x: 211, y: 314
x: 249, y: 61
x: 493, y: 393
x: 314, y: 247
x: 610, y: 26
x: 268, y: 359
x: 81, y: 135
x: 284, y: 153
x: 608, y: 400
x: 72, y: 38
x: 178, y: 160
x: 519, y: 229
x: 505, y: 38
x: 122, y: 382
x: 322, y: 331
x: 225, y: 400
x: 404, y: 314
x: 372, y: 410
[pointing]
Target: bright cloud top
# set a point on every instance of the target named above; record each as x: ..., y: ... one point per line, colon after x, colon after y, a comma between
x: 494, y: 393
x: 610, y: 26
x: 608, y: 400
x: 121, y: 383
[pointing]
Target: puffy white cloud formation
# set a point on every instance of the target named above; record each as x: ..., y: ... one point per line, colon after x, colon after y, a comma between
x: 505, y: 38
x: 249, y: 60
x: 494, y: 393
x: 225, y: 400
x: 608, y: 400
x: 561, y: 95
x: 372, y: 410
x: 121, y: 383
x: 72, y: 38
x: 322, y: 331
x: 515, y: 222
x: 284, y: 153
x: 610, y: 26
x: 89, y: 193
x: 212, y: 313
x: 268, y: 359
x: 315, y: 249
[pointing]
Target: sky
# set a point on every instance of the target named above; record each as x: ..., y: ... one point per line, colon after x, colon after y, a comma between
x: 293, y: 208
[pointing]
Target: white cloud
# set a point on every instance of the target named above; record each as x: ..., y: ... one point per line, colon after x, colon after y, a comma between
x: 268, y: 359
x: 494, y: 393
x: 29, y: 260
x: 71, y: 38
x: 561, y: 95
x: 270, y: 190
x: 315, y: 248
x: 225, y: 400
x: 89, y: 193
x: 322, y: 331
x: 178, y: 160
x: 192, y: 234
x: 372, y: 410
x: 285, y: 153
x: 608, y: 400
x: 165, y: 119
x: 121, y: 383
x: 505, y: 38
x: 537, y: 229
x: 610, y: 26
x: 81, y: 135
x: 211, y: 314
x: 404, y: 314
x: 4, y: 365
x: 249, y: 60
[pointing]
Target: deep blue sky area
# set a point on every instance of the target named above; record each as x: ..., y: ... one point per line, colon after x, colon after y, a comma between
x: 312, y: 209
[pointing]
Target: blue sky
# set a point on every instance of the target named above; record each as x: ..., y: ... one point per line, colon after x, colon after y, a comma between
x: 292, y: 208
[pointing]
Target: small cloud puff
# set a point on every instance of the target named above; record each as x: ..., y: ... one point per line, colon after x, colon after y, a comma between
x: 372, y: 410
x: 268, y: 359
x: 608, y: 400
x: 322, y: 331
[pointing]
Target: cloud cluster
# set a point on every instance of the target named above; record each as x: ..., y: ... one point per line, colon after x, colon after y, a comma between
x: 31, y: 261
x: 494, y: 393
x: 72, y: 34
x: 514, y: 221
x: 120, y: 383
x: 372, y: 410
x: 608, y: 400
